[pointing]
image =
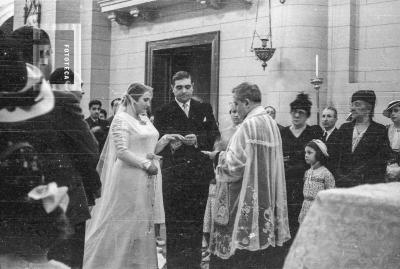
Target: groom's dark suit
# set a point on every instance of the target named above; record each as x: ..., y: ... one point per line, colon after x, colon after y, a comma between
x: 186, y: 176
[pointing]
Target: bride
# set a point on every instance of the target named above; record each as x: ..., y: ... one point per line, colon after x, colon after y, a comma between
x: 120, y: 233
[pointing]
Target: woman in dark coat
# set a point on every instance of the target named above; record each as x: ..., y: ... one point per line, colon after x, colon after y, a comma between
x: 364, y: 144
x: 294, y: 139
x: 52, y: 123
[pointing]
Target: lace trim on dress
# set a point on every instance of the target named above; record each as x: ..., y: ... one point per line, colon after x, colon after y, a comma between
x: 224, y: 245
x: 263, y: 143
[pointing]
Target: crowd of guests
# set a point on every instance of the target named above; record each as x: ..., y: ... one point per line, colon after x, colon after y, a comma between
x: 93, y: 192
x: 361, y: 151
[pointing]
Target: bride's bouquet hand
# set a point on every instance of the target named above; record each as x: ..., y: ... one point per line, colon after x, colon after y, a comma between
x: 152, y: 170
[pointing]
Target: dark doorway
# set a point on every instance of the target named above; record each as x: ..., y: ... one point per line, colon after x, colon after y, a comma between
x: 197, y: 54
x: 194, y: 59
x: 8, y: 26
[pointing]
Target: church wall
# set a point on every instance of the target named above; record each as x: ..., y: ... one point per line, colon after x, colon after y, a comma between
x: 356, y: 41
x: 299, y: 32
x: 364, y: 49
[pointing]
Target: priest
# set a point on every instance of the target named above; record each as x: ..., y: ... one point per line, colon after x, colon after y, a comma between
x: 251, y: 217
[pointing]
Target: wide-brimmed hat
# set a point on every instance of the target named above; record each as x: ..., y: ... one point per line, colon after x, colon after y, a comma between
x: 389, y: 108
x: 24, y: 93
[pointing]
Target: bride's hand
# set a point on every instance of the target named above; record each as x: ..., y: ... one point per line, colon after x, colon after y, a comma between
x: 152, y: 170
x: 210, y: 154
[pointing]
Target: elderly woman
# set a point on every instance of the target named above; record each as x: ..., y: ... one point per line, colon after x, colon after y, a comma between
x: 294, y: 139
x: 364, y: 144
x: 393, y: 132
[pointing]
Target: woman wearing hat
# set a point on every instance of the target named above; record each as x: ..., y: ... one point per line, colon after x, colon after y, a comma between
x: 393, y: 133
x: 294, y: 139
x: 364, y: 144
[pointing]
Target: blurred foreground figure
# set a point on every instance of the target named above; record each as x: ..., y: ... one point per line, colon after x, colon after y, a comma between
x: 52, y: 123
x: 36, y: 48
x: 67, y: 80
x: 350, y: 228
x: 32, y: 212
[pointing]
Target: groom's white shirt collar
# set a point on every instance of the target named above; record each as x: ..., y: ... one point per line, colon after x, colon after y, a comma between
x: 181, y: 104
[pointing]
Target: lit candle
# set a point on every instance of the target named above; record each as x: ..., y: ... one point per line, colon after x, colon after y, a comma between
x: 316, y: 65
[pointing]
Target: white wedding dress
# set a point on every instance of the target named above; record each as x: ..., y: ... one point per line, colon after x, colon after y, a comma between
x: 121, y: 231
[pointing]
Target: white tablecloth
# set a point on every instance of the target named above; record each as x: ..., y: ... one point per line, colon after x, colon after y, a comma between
x: 350, y: 228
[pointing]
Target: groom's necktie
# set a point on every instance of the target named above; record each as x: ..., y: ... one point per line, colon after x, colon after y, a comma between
x: 324, y: 137
x: 186, y: 109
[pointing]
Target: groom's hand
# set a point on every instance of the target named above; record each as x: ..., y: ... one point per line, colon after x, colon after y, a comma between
x: 190, y: 140
x: 175, y: 144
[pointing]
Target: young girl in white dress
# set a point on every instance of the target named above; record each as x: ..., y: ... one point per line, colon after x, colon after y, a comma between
x: 316, y: 178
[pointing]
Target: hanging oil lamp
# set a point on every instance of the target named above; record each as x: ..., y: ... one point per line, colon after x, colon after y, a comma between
x: 266, y: 51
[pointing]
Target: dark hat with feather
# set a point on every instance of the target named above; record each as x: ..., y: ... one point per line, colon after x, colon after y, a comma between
x: 302, y: 101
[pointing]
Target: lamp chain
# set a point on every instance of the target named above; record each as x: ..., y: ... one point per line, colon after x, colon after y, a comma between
x: 270, y: 22
x: 255, y: 26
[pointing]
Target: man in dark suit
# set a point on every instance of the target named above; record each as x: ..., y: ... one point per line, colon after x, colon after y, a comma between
x: 114, y: 107
x: 331, y: 137
x: 186, y: 171
x: 97, y: 125
x: 364, y: 144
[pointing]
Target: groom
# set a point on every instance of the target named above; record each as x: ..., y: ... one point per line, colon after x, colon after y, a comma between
x: 186, y: 171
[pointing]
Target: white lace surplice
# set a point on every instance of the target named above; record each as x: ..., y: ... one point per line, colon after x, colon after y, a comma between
x: 251, y: 189
x: 121, y: 231
x: 350, y: 228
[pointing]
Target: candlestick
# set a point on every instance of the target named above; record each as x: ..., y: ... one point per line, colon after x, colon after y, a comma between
x: 316, y: 65
x: 317, y: 82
